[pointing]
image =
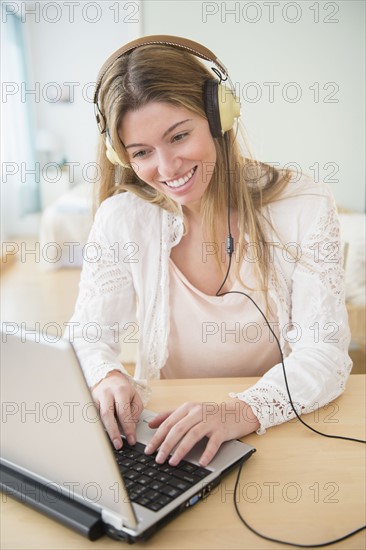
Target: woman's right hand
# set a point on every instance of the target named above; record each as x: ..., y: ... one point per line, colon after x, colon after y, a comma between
x: 117, y: 399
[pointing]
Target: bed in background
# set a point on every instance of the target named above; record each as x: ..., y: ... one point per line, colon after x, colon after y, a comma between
x: 64, y: 228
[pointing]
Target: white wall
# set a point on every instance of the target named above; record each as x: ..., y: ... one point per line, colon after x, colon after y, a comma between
x: 259, y: 44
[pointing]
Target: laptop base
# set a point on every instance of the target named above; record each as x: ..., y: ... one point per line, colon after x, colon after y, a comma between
x: 49, y: 501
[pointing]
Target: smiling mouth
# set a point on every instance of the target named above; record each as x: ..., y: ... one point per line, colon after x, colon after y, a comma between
x: 181, y: 181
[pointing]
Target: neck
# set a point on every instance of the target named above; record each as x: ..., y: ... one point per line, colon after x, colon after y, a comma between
x: 193, y: 213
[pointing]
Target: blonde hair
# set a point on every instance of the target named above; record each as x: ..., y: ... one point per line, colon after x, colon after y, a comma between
x: 166, y: 74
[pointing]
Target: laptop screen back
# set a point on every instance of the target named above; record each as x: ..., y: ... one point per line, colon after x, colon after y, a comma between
x: 50, y: 428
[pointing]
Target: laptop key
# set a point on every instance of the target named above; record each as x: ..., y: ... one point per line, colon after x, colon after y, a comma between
x: 126, y: 462
x: 142, y: 500
x: 152, y: 495
x: 150, y: 472
x: 138, y: 467
x: 144, y: 480
x: 170, y: 491
x: 156, y: 485
x: 164, y: 500
x: 187, y: 467
x: 131, y: 474
x: 166, y: 469
x: 178, y: 483
x: 201, y: 473
x: 139, y: 489
x: 162, y: 477
x: 155, y: 465
x: 144, y: 459
x: 131, y: 454
x: 155, y: 506
x: 186, y: 477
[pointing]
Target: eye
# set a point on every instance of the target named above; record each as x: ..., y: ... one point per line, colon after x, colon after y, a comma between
x: 180, y: 137
x: 139, y: 154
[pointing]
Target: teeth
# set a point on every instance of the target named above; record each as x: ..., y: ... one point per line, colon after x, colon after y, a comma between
x: 181, y: 181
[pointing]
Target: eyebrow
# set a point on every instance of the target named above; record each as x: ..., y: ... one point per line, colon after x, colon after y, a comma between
x: 168, y: 131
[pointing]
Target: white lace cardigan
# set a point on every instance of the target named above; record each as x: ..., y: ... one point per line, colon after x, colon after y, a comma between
x: 124, y: 281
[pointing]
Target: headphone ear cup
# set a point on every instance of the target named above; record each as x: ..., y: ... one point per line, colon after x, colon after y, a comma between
x: 229, y: 107
x: 212, y: 107
x: 222, y: 107
x: 111, y: 153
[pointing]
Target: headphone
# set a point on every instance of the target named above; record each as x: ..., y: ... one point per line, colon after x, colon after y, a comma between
x: 222, y: 106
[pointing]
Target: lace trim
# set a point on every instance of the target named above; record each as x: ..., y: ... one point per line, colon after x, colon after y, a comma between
x: 98, y: 372
x: 175, y: 229
x: 101, y: 273
x: 172, y: 230
x: 322, y: 256
x: 270, y: 405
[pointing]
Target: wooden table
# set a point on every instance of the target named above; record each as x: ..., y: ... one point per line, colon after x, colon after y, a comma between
x: 298, y: 486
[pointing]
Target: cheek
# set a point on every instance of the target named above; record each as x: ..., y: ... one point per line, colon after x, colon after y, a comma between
x: 142, y: 171
x: 146, y: 174
x: 210, y: 156
x: 208, y: 149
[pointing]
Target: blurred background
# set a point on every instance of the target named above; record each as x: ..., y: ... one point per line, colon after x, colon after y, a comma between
x: 298, y: 67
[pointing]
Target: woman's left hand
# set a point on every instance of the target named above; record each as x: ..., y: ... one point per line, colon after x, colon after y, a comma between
x: 182, y: 428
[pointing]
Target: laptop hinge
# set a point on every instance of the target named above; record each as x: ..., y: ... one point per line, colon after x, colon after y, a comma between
x: 115, y: 520
x: 52, y: 503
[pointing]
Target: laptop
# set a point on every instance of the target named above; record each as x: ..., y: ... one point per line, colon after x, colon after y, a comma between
x: 57, y: 457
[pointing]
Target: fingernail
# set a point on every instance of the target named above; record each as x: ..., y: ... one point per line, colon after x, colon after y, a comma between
x: 117, y: 444
x: 174, y: 461
x: 131, y: 440
x: 148, y: 448
x: 160, y: 458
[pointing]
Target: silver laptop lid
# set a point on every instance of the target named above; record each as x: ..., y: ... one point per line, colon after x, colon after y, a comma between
x: 50, y: 428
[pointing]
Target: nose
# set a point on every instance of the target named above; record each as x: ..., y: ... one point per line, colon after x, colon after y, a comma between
x: 168, y: 164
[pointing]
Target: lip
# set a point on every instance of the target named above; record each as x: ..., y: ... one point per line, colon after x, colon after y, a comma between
x: 183, y: 188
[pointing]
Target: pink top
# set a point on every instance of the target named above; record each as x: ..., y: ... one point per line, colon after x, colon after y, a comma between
x: 218, y: 336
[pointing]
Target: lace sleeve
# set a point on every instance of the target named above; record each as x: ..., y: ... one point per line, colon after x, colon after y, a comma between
x: 317, y: 364
x: 105, y: 304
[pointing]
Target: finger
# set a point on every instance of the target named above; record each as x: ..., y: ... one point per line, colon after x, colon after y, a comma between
x: 194, y: 435
x: 107, y: 415
x: 158, y: 419
x: 171, y: 434
x: 213, y: 445
x: 166, y: 422
x: 97, y: 404
x: 124, y: 416
x: 138, y: 407
x: 128, y: 415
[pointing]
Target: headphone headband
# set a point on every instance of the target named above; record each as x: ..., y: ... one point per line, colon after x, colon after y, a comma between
x: 161, y: 39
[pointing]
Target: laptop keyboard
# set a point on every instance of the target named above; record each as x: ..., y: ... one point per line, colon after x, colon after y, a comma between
x: 154, y: 485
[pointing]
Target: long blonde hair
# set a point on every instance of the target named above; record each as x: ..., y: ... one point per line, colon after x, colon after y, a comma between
x: 166, y: 74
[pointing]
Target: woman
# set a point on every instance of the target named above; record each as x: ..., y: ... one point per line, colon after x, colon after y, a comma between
x: 159, y: 260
